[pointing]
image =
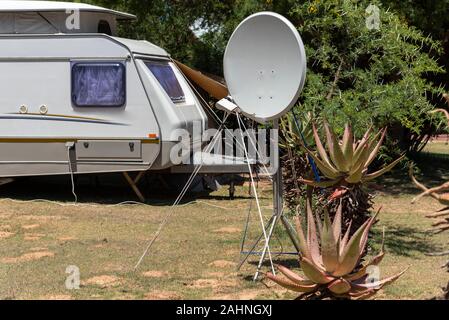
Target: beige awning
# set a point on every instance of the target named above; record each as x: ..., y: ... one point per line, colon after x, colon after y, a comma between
x: 211, y: 86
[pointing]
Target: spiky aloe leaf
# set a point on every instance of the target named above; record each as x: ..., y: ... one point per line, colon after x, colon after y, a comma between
x: 373, y: 262
x: 312, y: 272
x: 292, y: 286
x: 363, y: 272
x: 376, y: 149
x: 362, y: 143
x: 339, y: 287
x: 379, y: 284
x: 293, y: 277
x: 328, y: 171
x: 360, y: 163
x: 345, y: 239
x: 329, y: 246
x: 320, y: 148
x: 356, y: 176
x: 362, y: 295
x: 336, y: 225
x: 348, y: 143
x: 302, y: 239
x: 322, y: 184
x: 335, y: 151
x: 379, y: 173
x: 352, y: 253
x: 312, y: 236
x: 364, y: 240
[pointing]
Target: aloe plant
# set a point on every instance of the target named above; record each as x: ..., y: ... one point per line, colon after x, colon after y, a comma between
x: 347, y: 163
x: 330, y: 261
x: 344, y: 164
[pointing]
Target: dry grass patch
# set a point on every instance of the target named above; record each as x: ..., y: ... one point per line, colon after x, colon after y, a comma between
x: 228, y: 230
x: 60, y: 297
x: 6, y: 235
x: 30, y: 226
x: 223, y: 264
x: 155, y: 274
x: 104, y: 281
x: 27, y: 257
x: 33, y: 236
x: 163, y: 295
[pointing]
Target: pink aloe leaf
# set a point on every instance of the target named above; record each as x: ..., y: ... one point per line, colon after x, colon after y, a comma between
x: 379, y: 173
x: 302, y: 239
x: 320, y: 147
x: 313, y: 273
x: 312, y: 236
x: 352, y: 253
x: 290, y: 285
x: 329, y: 246
x: 322, y: 184
x: 375, y: 151
x: 345, y: 239
x: 336, y: 225
x: 377, y: 285
x: 339, y: 287
x: 293, y: 276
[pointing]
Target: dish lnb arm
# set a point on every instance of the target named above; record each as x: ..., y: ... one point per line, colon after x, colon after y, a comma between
x: 227, y: 104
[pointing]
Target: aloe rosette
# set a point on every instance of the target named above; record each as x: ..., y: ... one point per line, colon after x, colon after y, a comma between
x: 330, y: 261
x: 347, y: 163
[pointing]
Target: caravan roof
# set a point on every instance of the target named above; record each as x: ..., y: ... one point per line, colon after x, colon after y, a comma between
x: 51, y: 6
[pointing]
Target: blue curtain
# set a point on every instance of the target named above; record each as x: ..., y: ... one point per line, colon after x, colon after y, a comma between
x: 98, y: 84
x: 166, y: 77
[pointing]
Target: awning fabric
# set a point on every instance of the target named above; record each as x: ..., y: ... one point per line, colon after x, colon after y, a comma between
x: 214, y: 88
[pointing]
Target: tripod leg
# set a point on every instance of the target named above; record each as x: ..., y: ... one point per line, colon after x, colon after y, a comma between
x: 264, y: 252
x: 277, y: 205
x: 251, y: 251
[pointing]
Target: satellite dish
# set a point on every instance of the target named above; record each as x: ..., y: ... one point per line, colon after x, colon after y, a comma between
x: 265, y: 66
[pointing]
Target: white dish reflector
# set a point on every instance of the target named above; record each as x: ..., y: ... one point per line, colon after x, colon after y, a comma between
x: 265, y: 66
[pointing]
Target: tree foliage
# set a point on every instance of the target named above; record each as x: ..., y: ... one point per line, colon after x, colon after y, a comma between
x: 358, y: 75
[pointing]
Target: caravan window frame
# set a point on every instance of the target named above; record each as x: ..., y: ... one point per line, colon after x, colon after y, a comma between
x: 181, y: 100
x: 121, y: 64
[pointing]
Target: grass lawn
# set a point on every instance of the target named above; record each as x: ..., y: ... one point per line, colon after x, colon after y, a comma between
x: 197, y: 253
x: 440, y: 147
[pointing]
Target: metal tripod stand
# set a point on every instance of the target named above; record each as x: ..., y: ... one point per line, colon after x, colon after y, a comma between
x: 278, y: 216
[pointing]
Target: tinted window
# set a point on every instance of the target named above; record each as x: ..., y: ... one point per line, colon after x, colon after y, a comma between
x: 99, y: 84
x: 166, y: 77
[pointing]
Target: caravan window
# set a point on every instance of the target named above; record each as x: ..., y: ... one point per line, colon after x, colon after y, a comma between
x: 167, y: 79
x: 98, y: 84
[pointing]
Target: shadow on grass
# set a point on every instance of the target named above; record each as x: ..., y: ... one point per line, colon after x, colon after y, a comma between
x: 106, y: 189
x: 404, y: 241
x: 431, y: 173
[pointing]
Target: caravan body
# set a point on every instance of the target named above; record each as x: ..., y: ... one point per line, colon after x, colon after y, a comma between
x: 79, y: 95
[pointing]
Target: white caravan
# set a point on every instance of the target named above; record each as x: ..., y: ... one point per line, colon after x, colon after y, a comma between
x: 72, y: 92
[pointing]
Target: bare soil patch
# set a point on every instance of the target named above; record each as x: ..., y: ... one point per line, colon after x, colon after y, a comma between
x: 60, y: 297
x: 228, y: 230
x: 6, y: 235
x: 163, y: 295
x: 104, y: 281
x: 33, y: 236
x: 155, y: 274
x: 27, y: 257
x: 30, y: 226
x: 223, y: 264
